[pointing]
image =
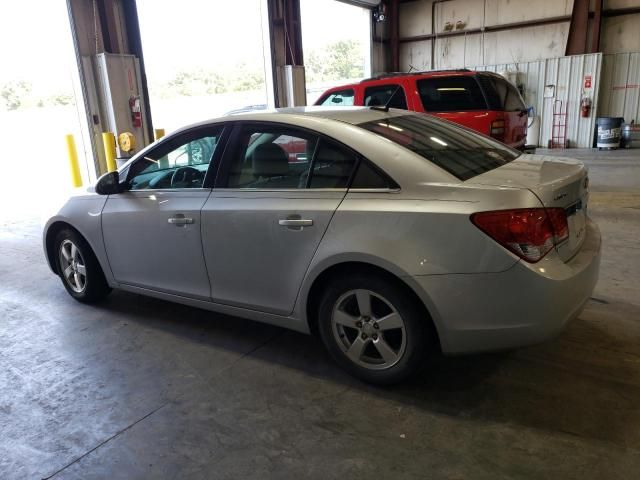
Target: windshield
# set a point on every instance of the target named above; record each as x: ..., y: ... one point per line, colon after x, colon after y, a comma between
x: 460, y: 151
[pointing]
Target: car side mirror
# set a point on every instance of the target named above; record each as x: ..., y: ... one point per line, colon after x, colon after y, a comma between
x: 108, y: 184
x: 336, y: 100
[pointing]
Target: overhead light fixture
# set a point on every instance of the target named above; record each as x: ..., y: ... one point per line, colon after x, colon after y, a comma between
x: 437, y: 140
x: 452, y: 89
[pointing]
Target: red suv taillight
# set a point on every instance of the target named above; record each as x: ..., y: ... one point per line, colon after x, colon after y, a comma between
x: 497, y: 129
x: 530, y: 233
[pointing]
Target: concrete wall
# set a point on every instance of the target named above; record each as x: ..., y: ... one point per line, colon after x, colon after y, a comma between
x: 619, y: 34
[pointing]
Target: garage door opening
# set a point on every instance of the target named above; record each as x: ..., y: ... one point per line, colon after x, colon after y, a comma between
x: 38, y: 107
x: 200, y: 61
x: 337, y: 54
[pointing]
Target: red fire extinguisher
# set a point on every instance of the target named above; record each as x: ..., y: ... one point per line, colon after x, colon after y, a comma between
x: 136, y: 111
x: 585, y: 107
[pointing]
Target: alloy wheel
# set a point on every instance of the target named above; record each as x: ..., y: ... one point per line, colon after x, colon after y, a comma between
x: 368, y: 329
x: 74, y: 270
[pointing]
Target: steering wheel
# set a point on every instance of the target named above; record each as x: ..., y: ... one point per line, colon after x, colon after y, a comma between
x: 184, y: 177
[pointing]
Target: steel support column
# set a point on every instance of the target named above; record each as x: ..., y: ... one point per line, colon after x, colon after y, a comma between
x: 285, y: 38
x: 577, y: 39
x: 394, y: 35
x: 105, y: 26
x: 134, y: 43
x: 596, y: 26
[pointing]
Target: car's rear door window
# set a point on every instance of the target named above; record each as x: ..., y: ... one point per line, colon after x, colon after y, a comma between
x: 380, y: 95
x: 270, y: 157
x: 457, y: 150
x: 276, y: 156
x: 501, y: 94
x: 332, y: 165
x: 450, y: 94
x: 341, y: 98
x: 513, y: 102
x: 370, y: 177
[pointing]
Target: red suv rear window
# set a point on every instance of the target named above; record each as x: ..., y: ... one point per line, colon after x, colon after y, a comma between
x: 451, y: 94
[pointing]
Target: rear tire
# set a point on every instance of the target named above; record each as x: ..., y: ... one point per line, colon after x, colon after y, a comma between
x: 373, y: 328
x: 78, y: 268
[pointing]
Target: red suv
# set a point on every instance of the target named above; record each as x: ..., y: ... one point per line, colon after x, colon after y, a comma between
x: 483, y: 101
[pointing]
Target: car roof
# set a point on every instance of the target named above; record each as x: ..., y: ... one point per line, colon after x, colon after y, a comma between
x: 351, y: 115
x: 426, y: 74
x: 462, y: 72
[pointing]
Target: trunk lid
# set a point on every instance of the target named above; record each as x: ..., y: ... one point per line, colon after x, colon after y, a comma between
x: 557, y: 182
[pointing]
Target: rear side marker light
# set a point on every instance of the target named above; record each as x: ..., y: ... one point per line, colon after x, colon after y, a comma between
x: 497, y: 129
x: 530, y: 233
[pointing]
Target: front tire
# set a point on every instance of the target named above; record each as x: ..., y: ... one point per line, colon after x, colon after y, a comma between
x: 79, y: 268
x: 373, y: 328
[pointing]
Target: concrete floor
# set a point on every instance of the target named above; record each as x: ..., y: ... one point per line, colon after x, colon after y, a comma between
x: 140, y: 388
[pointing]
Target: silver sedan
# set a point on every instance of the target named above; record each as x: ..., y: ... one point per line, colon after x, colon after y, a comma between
x: 387, y: 233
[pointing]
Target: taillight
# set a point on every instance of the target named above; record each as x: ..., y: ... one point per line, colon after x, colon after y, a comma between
x: 558, y: 219
x: 530, y: 233
x: 497, y: 129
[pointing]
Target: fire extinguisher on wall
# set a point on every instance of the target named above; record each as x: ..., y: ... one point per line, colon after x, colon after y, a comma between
x: 136, y: 111
x: 585, y: 107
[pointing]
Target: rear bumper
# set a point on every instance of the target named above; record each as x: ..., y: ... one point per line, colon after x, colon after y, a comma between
x: 524, y: 305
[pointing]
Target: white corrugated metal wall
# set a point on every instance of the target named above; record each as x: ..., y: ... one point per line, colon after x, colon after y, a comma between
x: 567, y: 75
x: 620, y: 86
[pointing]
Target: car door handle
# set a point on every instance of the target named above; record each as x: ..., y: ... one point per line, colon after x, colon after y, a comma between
x: 295, y: 222
x: 179, y: 221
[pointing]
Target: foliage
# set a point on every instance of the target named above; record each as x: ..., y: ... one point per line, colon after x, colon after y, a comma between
x: 61, y: 99
x: 341, y: 60
x: 19, y: 94
x: 15, y: 94
x: 202, y: 82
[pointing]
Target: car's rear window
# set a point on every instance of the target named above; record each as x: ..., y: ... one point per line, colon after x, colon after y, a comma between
x: 500, y: 93
x: 451, y: 94
x: 458, y: 150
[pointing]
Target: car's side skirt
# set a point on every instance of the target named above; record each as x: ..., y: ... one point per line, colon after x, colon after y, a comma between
x: 277, y: 320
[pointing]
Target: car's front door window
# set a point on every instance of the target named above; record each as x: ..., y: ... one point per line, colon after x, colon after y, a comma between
x: 391, y: 95
x: 342, y: 98
x: 181, y: 162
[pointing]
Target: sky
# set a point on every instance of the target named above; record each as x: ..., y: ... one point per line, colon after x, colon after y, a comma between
x: 36, y: 44
x: 201, y: 33
x: 225, y: 33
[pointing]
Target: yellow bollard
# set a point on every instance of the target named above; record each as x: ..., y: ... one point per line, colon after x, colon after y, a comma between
x: 76, y: 178
x: 158, y: 133
x: 109, y: 141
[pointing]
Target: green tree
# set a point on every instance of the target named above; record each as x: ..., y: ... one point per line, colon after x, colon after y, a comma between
x: 340, y: 60
x: 245, y: 79
x: 15, y: 94
x: 202, y: 82
x: 61, y: 99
